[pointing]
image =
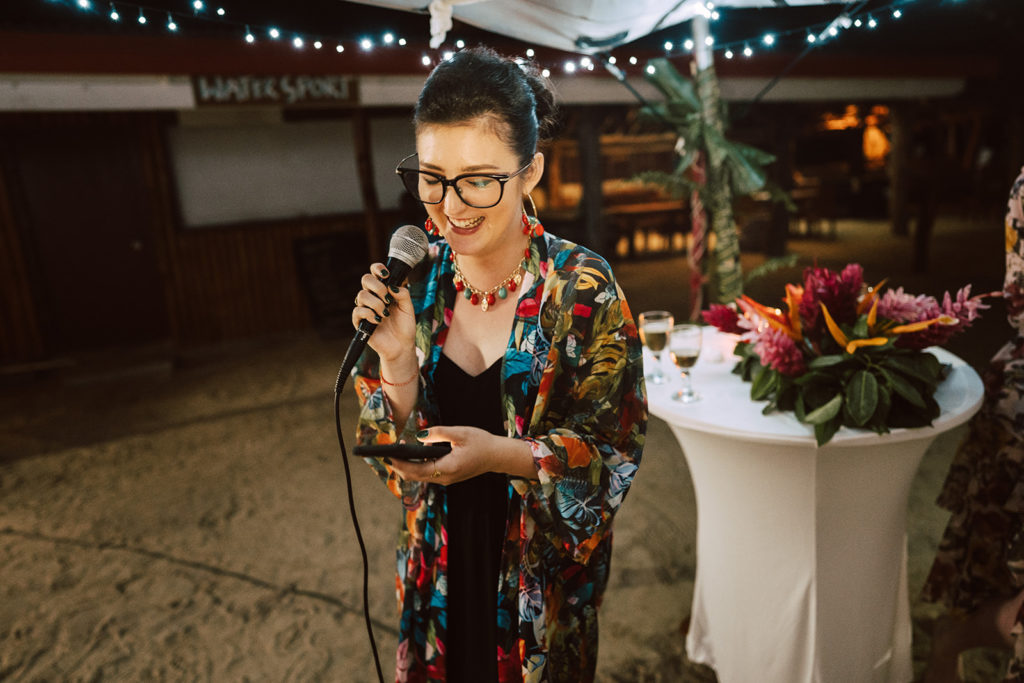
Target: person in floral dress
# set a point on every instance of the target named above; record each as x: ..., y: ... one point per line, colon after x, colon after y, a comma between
x: 978, y: 572
x: 519, y: 349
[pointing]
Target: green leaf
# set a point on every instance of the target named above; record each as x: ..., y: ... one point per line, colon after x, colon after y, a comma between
x: 764, y: 383
x: 825, y: 412
x: 824, y: 432
x: 799, y: 410
x: 905, y: 389
x: 770, y: 266
x: 826, y: 361
x: 862, y: 397
x: 672, y: 84
x: 860, y: 328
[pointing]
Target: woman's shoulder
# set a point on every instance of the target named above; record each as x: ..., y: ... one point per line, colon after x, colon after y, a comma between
x: 572, y: 261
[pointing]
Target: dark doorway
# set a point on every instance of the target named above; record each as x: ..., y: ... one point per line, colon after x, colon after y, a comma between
x: 86, y: 210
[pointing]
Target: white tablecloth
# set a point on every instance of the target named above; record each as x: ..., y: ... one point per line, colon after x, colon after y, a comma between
x: 801, y: 552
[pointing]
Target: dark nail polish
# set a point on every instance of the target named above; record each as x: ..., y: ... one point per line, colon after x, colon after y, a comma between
x: 387, y: 312
x: 388, y: 300
x: 384, y: 272
x: 378, y: 317
x: 422, y: 433
x: 394, y: 288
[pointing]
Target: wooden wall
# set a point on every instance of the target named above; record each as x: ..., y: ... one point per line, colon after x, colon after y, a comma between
x: 219, y: 283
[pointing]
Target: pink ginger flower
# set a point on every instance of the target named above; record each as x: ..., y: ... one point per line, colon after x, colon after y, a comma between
x: 905, y: 308
x: 725, y: 318
x: 777, y: 351
x: 838, y: 291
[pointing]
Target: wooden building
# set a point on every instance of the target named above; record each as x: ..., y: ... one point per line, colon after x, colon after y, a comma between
x: 188, y: 191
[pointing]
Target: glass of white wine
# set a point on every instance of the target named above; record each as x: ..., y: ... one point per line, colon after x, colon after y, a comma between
x: 684, y: 347
x: 655, y: 328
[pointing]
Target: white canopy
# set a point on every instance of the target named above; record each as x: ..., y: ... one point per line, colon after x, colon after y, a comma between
x: 584, y: 26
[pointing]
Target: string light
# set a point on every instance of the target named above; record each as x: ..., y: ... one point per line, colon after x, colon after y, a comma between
x: 813, y: 34
x: 425, y: 60
x: 546, y: 73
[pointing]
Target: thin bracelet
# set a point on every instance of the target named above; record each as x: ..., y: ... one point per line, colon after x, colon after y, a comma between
x: 401, y: 384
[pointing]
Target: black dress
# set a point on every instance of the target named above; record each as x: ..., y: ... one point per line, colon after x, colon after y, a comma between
x: 477, y: 518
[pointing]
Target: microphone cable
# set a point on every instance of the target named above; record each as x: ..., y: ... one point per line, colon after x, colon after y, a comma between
x: 338, y: 385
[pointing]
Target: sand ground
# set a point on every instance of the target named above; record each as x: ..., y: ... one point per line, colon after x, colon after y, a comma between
x: 182, y: 515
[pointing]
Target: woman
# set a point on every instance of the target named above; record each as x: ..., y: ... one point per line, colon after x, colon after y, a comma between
x: 979, y: 569
x: 518, y: 348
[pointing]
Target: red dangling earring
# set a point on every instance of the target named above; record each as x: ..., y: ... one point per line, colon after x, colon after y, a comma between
x: 431, y: 228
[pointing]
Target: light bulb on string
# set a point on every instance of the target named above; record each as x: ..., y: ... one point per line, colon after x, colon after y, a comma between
x: 447, y: 55
x: 171, y: 26
x: 811, y: 38
x: 197, y: 5
x: 896, y: 14
x: 220, y: 12
x: 587, y: 63
x: 530, y: 52
x: 650, y: 69
x: 668, y: 46
x: 114, y: 15
x: 611, y: 59
x: 402, y: 41
x: 85, y: 4
x: 274, y: 33
x: 688, y: 44
x: 857, y: 23
x: 728, y: 54
x: 298, y: 42
x: 142, y: 17
x: 747, y: 51
x: 460, y: 44
x: 769, y: 39
x: 249, y: 37
x: 872, y: 22
x: 366, y: 44
x: 546, y: 73
x: 570, y: 67
x: 425, y: 60
x: 389, y: 38
x: 339, y: 48
x: 715, y: 16
x: 317, y: 44
x: 833, y: 31
x: 709, y: 40
x: 632, y: 60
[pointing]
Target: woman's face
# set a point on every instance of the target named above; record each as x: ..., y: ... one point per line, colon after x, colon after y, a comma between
x: 473, y: 147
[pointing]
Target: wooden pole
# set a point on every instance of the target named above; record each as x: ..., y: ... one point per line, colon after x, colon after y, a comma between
x: 375, y: 236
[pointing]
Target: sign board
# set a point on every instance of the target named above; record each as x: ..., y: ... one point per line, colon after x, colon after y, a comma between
x: 288, y: 90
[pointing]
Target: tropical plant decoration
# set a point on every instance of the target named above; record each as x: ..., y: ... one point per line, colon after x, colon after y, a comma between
x: 712, y: 170
x: 843, y: 354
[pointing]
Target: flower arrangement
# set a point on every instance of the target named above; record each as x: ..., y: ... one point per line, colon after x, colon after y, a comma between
x: 846, y: 354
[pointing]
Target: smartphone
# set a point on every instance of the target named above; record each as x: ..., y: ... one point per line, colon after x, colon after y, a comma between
x: 404, y: 451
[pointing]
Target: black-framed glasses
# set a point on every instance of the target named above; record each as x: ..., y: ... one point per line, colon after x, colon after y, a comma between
x: 479, y: 190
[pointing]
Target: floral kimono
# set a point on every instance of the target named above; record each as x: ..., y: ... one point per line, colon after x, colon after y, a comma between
x: 572, y: 387
x: 981, y: 554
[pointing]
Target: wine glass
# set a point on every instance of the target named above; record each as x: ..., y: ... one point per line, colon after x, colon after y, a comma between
x: 655, y: 327
x: 684, y: 347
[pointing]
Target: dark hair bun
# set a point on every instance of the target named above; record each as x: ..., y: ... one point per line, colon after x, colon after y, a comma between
x: 478, y: 82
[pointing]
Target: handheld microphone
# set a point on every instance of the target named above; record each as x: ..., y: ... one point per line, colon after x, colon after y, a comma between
x: 407, y: 248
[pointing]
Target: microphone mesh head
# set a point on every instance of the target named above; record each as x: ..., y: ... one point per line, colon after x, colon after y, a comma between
x: 409, y: 245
